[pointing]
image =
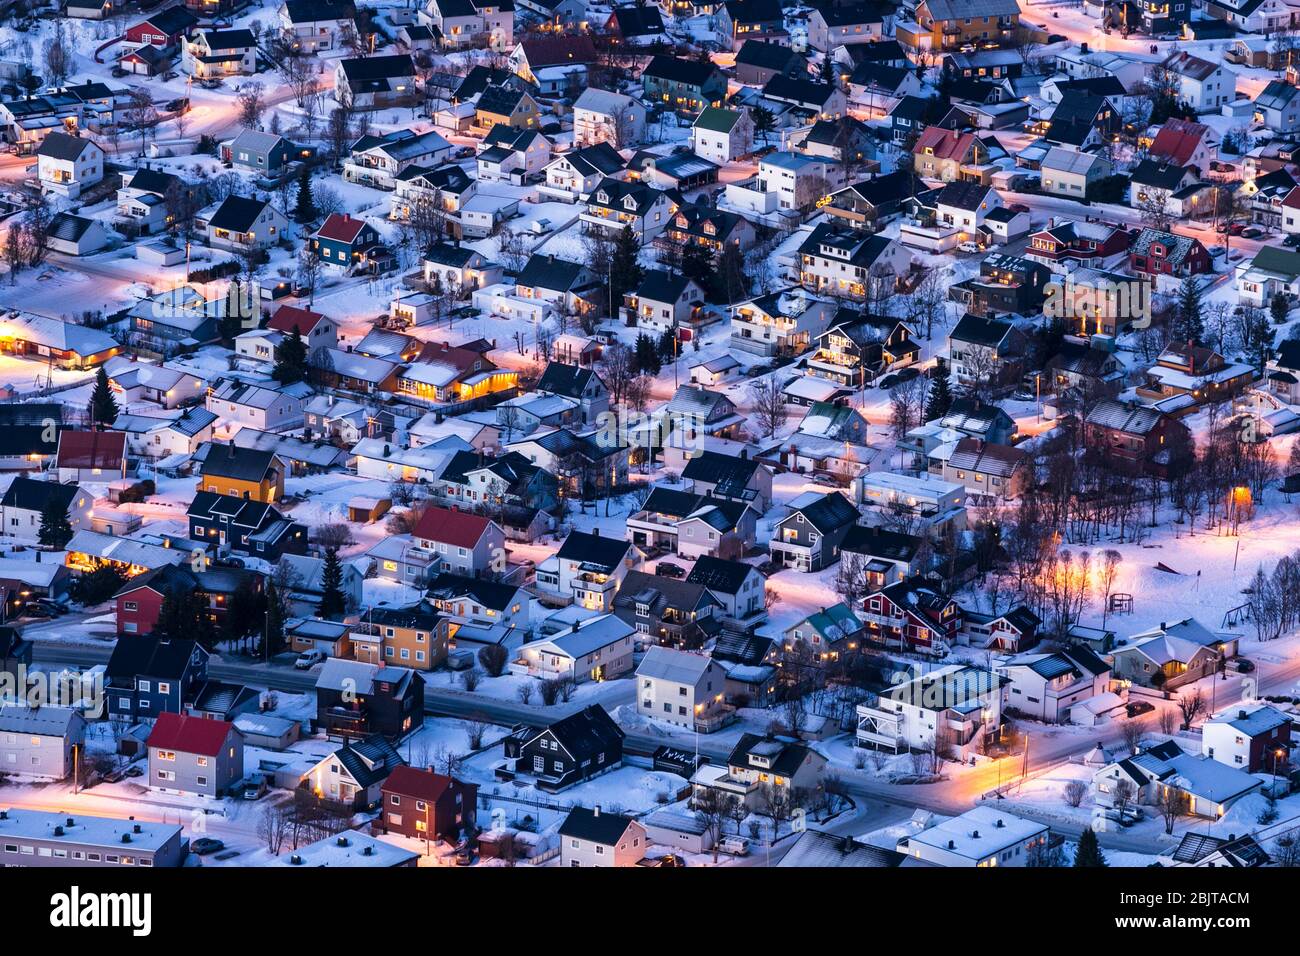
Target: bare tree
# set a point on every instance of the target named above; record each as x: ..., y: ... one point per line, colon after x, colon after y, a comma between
x: 1171, y: 804
x: 769, y: 405
x: 251, y: 103
x: 1074, y: 792
x: 1132, y: 732
x: 1191, y: 706
x: 711, y: 809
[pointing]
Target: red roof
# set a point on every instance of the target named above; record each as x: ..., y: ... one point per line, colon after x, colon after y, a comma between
x: 414, y: 782
x: 287, y: 317
x: 944, y: 143
x: 556, y: 51
x: 460, y: 528
x: 1177, y: 141
x: 340, y: 227
x: 1292, y: 200
x: 191, y: 735
x: 79, y: 449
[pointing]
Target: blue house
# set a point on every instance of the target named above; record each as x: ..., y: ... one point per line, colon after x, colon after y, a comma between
x: 349, y: 244
x: 148, y: 676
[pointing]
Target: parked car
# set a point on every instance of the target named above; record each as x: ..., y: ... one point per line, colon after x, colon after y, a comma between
x: 254, y: 787
x: 309, y: 659
x: 969, y: 246
x: 1292, y: 240
x: 907, y: 374
x: 669, y: 570
x: 1251, y: 232
x: 735, y: 845
x: 205, y: 845
x: 36, y: 610
x: 888, y: 381
x: 1243, y: 666
x: 1139, y: 707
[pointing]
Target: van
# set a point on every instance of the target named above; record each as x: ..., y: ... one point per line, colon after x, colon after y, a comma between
x: 735, y: 845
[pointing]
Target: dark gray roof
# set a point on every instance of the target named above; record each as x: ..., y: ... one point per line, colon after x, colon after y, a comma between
x: 595, y: 825
x: 237, y: 213
x: 32, y: 495
x: 719, y: 574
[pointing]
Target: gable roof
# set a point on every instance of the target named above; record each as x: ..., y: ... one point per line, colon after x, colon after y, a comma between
x: 91, y: 449
x: 32, y: 495
x: 191, y: 735
x: 232, y: 461
x: 237, y: 213
x: 593, y: 549
x: 719, y: 574
x: 63, y: 146
x: 459, y: 528
x: 151, y: 657
x: 595, y: 825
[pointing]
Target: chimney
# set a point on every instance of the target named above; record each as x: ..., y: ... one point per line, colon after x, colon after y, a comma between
x: 975, y: 834
x: 595, y: 811
x: 595, y: 532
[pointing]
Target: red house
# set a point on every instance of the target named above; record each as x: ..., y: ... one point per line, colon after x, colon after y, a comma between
x: 164, y: 29
x: 139, y: 603
x: 91, y: 455
x: 427, y: 805
x: 315, y: 328
x: 910, y: 616
x: 1087, y: 244
x: 1156, y: 253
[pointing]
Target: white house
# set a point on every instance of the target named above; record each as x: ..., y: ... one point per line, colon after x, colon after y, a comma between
x: 263, y: 407
x: 596, y: 838
x: 681, y: 688
x: 603, y: 116
x: 592, y: 649
x: 311, y: 26
x: 1252, y: 736
x: 1069, y: 172
x: 955, y: 708
x: 1045, y: 686
x: 26, y: 499
x: 722, y: 135
x: 67, y: 165
x: 1202, y: 85
x: 983, y: 836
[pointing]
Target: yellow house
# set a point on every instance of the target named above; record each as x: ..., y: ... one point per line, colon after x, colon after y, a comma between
x: 242, y: 473
x: 415, y: 637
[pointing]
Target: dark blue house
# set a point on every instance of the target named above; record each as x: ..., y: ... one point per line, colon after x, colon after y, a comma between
x: 147, y: 676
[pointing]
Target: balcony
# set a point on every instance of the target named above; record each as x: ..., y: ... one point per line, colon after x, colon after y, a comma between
x: 715, y: 718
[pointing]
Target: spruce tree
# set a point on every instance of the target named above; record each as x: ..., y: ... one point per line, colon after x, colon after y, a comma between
x: 940, y: 398
x: 55, y: 530
x: 273, y: 627
x: 290, y: 359
x: 1187, y: 320
x: 1088, y: 853
x: 305, y: 210
x: 625, y: 272
x: 646, y: 357
x: 332, y: 602
x: 103, y: 406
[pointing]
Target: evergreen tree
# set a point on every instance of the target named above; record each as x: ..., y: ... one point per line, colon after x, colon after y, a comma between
x: 646, y: 357
x: 103, y: 406
x: 625, y: 272
x: 697, y: 264
x: 667, y: 346
x: 231, y: 323
x: 273, y: 623
x: 1088, y: 853
x: 764, y: 121
x: 305, y: 210
x: 55, y: 530
x: 1187, y: 319
x: 184, y: 616
x: 290, y: 359
x: 332, y: 603
x: 940, y: 398
x: 1279, y: 308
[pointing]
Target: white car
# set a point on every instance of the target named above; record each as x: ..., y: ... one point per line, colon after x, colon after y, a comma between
x: 969, y: 246
x: 309, y: 659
